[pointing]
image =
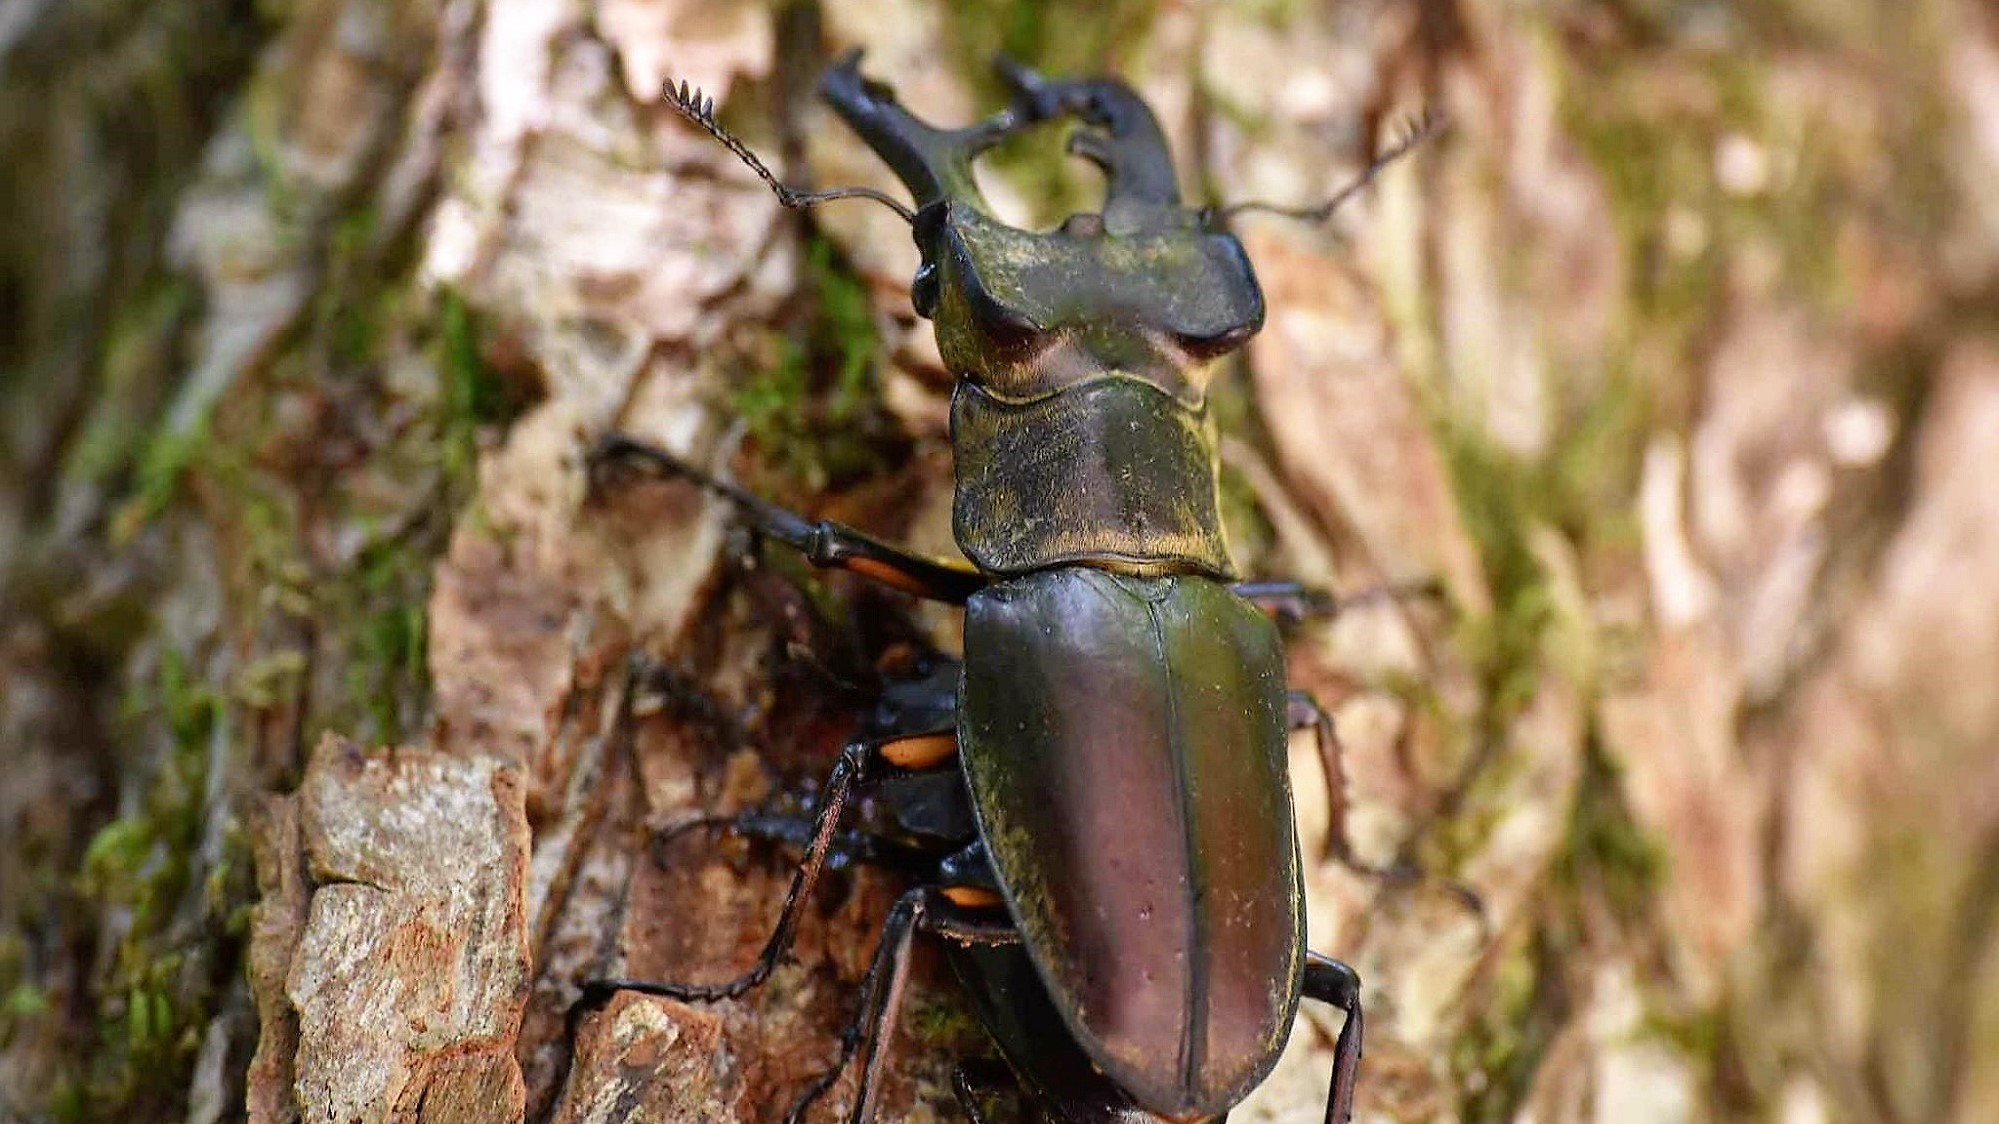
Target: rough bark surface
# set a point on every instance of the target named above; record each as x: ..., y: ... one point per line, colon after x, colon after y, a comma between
x: 327, y: 778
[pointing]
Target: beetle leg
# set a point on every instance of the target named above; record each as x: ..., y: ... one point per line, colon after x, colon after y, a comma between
x: 926, y: 910
x: 823, y: 543
x: 1330, y: 981
x: 653, y: 684
x: 1303, y: 712
x: 1292, y: 603
x: 909, y: 842
x: 974, y: 1076
x: 845, y: 849
x: 853, y: 765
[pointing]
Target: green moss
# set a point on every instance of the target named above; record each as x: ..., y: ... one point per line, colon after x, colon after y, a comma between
x: 167, y: 455
x: 1696, y: 1035
x: 1607, y: 855
x: 844, y: 332
x: 474, y: 396
x: 24, y: 1001
x: 160, y: 987
x: 1056, y: 38
x: 1606, y: 863
x: 262, y: 114
x: 1248, y: 531
x: 1500, y: 496
x: 814, y: 406
x: 341, y: 433
x: 1685, y: 237
x: 1495, y: 1060
x: 138, y: 352
x: 355, y: 313
x: 1580, y: 488
x: 772, y: 403
x: 387, y: 673
x: 943, y: 1021
x: 172, y: 870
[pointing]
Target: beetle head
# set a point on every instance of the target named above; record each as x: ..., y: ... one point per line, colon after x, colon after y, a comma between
x: 1144, y: 262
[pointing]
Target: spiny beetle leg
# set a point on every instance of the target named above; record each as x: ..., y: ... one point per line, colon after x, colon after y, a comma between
x: 976, y: 1076
x: 912, y: 818
x: 1304, y: 712
x: 1332, y: 982
x: 1292, y: 603
x: 653, y: 684
x: 926, y: 910
x: 858, y: 761
x: 793, y: 829
x: 823, y: 543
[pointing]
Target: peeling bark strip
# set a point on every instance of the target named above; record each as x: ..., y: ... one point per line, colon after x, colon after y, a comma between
x: 645, y: 1058
x: 408, y: 971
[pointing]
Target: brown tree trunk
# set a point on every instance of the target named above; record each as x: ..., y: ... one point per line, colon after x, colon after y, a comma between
x: 328, y: 776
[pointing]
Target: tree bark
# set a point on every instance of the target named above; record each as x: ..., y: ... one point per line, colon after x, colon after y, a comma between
x: 344, y: 711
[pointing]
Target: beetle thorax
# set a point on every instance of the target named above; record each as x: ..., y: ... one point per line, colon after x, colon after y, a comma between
x: 1026, y: 314
x: 1080, y: 425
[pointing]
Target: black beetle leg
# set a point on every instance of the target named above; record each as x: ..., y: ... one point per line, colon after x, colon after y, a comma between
x: 823, y: 543
x: 974, y: 1076
x: 1304, y: 712
x: 847, y: 848
x: 924, y: 909
x: 854, y: 763
x: 1293, y: 603
x: 1330, y: 981
x: 667, y: 687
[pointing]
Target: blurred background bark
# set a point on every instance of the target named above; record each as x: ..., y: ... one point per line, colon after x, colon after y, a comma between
x: 325, y: 782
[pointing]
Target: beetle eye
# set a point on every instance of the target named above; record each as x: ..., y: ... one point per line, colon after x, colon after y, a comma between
x: 1222, y: 342
x: 923, y: 290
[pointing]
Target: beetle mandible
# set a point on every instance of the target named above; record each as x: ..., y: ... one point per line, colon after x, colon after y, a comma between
x: 1100, y: 786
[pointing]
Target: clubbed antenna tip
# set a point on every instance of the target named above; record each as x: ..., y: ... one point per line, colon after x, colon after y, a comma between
x: 688, y: 101
x: 1416, y: 128
x: 693, y: 104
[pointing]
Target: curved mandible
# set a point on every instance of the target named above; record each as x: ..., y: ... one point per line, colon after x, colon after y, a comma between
x: 935, y: 164
x: 1124, y: 138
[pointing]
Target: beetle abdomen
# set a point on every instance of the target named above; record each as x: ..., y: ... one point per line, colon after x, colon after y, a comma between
x: 1124, y: 739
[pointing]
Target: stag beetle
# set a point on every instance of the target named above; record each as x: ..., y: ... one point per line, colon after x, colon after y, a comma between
x: 1100, y: 785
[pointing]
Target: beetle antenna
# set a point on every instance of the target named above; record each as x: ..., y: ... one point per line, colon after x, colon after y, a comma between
x: 1415, y: 130
x: 691, y: 103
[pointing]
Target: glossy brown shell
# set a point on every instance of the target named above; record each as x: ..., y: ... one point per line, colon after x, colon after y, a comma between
x: 1112, y: 470
x: 1124, y: 739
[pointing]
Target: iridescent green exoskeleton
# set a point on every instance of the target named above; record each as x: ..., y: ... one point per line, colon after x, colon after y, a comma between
x: 1100, y: 786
